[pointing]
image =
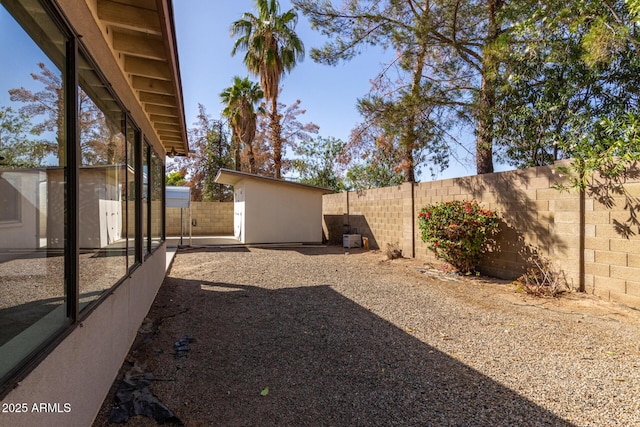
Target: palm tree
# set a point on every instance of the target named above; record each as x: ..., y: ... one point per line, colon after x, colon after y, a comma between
x: 272, y: 48
x: 240, y: 102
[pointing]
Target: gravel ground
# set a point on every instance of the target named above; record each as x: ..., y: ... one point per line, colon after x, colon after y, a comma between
x: 314, y: 337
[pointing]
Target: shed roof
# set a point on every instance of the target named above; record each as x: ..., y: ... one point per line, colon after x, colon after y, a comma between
x: 231, y: 177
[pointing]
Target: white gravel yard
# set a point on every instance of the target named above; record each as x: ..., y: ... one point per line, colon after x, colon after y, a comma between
x: 311, y: 336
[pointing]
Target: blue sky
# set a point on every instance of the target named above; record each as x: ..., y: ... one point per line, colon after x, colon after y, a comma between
x: 328, y: 94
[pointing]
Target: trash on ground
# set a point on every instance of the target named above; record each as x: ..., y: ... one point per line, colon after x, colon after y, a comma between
x: 134, y: 398
x: 182, y: 347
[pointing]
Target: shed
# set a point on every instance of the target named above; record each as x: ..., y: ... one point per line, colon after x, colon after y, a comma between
x: 270, y: 210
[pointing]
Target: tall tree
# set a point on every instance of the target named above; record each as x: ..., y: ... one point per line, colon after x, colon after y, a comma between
x: 241, y: 106
x: 445, y: 52
x: 293, y: 133
x: 381, y: 164
x: 317, y: 163
x: 271, y: 48
x: 570, y: 85
x: 210, y: 151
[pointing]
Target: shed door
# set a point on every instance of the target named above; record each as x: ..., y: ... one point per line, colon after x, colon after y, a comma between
x: 238, y: 214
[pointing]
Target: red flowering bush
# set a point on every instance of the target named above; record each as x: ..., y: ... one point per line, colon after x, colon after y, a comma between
x: 458, y: 232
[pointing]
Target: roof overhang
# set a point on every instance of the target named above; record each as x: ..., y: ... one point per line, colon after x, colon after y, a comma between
x: 141, y: 36
x: 231, y: 177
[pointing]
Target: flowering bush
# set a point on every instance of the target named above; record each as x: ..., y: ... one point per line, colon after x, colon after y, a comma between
x: 458, y: 232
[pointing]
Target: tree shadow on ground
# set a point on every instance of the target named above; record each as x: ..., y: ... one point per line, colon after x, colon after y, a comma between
x: 325, y: 360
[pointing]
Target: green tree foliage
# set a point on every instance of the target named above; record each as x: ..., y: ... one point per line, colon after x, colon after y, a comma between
x: 17, y: 147
x: 271, y: 48
x: 48, y: 102
x: 380, y: 164
x: 241, y: 101
x: 446, y: 67
x: 210, y: 150
x: 369, y: 174
x: 571, y: 69
x: 317, y: 163
x: 176, y: 178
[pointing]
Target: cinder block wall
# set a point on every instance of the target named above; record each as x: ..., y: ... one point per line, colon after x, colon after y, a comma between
x: 585, y: 238
x: 210, y: 218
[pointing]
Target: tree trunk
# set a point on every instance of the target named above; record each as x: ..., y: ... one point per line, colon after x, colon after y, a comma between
x: 252, y: 159
x: 409, y: 139
x: 235, y: 143
x: 276, y: 139
x: 484, y: 139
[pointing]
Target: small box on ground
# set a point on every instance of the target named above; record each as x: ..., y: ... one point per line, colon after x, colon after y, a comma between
x: 351, y: 240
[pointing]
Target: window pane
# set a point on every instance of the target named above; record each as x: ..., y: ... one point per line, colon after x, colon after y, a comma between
x: 146, y: 235
x: 132, y: 147
x: 32, y: 181
x: 103, y: 183
x: 157, y: 174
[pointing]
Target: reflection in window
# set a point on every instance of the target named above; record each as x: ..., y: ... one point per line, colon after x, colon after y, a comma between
x: 157, y: 180
x: 103, y: 187
x: 130, y: 230
x: 146, y: 235
x: 32, y: 181
x: 10, y: 198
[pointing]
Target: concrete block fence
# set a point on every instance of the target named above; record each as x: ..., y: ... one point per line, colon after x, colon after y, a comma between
x: 594, y: 242
x: 209, y: 219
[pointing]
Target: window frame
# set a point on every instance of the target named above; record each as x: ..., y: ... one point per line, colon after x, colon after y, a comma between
x: 74, y: 47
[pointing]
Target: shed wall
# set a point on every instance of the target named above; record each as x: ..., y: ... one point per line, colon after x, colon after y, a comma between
x: 281, y: 214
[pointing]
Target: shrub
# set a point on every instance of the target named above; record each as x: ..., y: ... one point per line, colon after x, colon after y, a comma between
x: 458, y: 232
x: 542, y: 279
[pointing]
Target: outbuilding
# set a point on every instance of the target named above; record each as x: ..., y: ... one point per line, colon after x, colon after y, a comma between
x: 270, y: 210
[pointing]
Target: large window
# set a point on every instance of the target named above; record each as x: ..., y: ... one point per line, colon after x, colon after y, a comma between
x: 81, y: 195
x: 33, y: 149
x: 103, y: 185
x: 133, y: 144
x: 157, y: 200
x: 146, y: 198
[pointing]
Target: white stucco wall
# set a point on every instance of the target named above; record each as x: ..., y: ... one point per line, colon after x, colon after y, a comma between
x: 280, y: 213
